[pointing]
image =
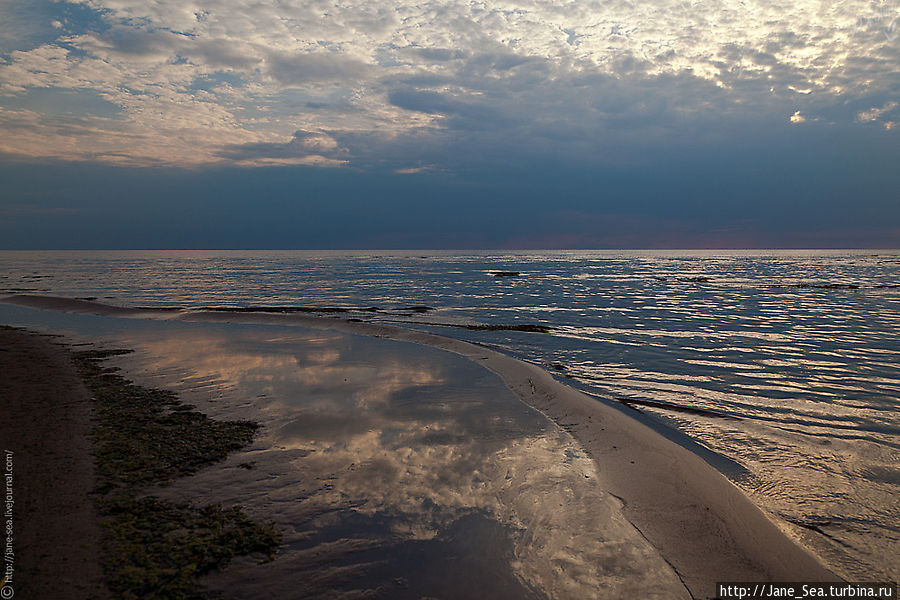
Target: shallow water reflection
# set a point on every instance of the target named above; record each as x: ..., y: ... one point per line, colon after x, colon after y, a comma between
x: 393, y: 470
x: 400, y: 471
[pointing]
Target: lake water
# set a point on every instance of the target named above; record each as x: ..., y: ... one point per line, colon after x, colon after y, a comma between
x: 782, y: 368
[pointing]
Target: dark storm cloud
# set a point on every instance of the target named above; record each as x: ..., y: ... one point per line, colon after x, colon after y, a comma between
x: 464, y: 113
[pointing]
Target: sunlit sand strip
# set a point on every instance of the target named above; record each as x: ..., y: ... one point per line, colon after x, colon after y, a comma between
x: 704, y: 526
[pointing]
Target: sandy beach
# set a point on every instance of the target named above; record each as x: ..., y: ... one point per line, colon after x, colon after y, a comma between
x: 46, y: 425
x: 679, y: 509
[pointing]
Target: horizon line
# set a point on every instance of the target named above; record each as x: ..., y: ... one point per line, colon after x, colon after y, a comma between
x: 485, y: 249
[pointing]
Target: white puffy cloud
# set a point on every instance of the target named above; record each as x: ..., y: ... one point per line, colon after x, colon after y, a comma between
x: 881, y: 114
x: 197, y: 81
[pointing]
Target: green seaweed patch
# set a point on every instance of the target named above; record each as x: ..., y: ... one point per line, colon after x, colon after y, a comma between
x: 146, y: 436
x: 155, y: 548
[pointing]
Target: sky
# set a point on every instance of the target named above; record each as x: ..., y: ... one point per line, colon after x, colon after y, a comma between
x: 438, y: 124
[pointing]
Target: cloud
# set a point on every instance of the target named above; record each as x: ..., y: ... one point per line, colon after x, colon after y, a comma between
x: 465, y: 113
x: 585, y: 81
x: 219, y: 53
x: 412, y: 170
x: 879, y: 114
x: 304, y: 148
x: 124, y: 43
x: 292, y: 69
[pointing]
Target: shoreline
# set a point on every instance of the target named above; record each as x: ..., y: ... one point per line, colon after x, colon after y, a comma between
x: 84, y: 447
x: 702, y: 524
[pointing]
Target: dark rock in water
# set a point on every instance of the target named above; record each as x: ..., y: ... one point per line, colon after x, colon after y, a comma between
x: 661, y: 278
x: 285, y: 309
x: 557, y: 367
x: 697, y: 279
x: 633, y: 403
x: 837, y: 286
x: 527, y: 327
x: 813, y: 526
x: 418, y: 309
x: 822, y: 286
x: 505, y: 273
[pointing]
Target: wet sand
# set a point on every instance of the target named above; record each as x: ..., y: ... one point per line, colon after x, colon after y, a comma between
x: 46, y: 421
x: 700, y: 523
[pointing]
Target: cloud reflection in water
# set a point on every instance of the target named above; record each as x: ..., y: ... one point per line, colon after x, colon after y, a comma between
x: 399, y: 470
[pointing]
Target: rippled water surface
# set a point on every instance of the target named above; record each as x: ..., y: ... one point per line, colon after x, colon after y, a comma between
x: 787, y: 363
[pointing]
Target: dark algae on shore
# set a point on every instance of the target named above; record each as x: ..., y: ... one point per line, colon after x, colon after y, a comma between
x: 155, y: 548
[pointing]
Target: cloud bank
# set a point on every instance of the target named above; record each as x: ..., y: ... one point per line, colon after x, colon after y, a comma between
x: 407, y: 85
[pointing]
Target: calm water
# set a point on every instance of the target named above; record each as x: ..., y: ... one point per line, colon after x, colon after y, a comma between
x: 791, y: 359
x: 392, y: 470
